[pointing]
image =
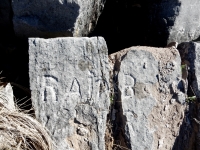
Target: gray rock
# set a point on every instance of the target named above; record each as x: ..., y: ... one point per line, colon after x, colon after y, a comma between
x: 7, y: 97
x: 173, y: 20
x: 70, y: 91
x: 145, y: 80
x: 186, y: 25
x: 5, y: 19
x: 57, y: 18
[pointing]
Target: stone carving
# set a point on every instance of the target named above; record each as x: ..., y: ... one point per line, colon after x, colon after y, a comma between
x: 70, y: 94
x: 49, y: 90
x: 56, y: 18
x: 151, y: 112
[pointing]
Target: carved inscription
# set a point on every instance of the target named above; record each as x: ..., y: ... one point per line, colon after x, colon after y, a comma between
x: 75, y: 91
x: 50, y: 84
x: 75, y: 88
x: 49, y: 94
x: 65, y: 76
x: 129, y: 84
x: 129, y: 81
x: 128, y: 91
x: 90, y: 88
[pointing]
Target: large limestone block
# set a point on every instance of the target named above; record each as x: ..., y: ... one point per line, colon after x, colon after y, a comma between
x: 150, y: 89
x: 173, y: 20
x: 70, y: 91
x: 53, y: 18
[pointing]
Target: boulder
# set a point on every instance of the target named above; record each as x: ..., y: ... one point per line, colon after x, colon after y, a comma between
x: 57, y: 18
x: 152, y: 96
x: 69, y: 81
x: 173, y: 20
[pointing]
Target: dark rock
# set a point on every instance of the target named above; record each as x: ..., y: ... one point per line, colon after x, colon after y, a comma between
x: 56, y: 18
x: 148, y: 23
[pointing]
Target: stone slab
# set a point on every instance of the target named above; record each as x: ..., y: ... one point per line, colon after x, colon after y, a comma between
x: 55, y: 18
x: 150, y: 90
x: 70, y: 92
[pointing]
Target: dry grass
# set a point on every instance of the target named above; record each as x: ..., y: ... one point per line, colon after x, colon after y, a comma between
x: 19, y: 131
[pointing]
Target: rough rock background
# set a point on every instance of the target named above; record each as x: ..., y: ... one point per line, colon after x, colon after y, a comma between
x: 148, y: 23
x: 69, y: 79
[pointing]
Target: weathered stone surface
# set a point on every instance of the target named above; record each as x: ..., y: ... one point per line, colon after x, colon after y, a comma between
x: 47, y: 18
x: 190, y: 55
x: 173, y: 20
x: 70, y: 90
x: 152, y: 97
